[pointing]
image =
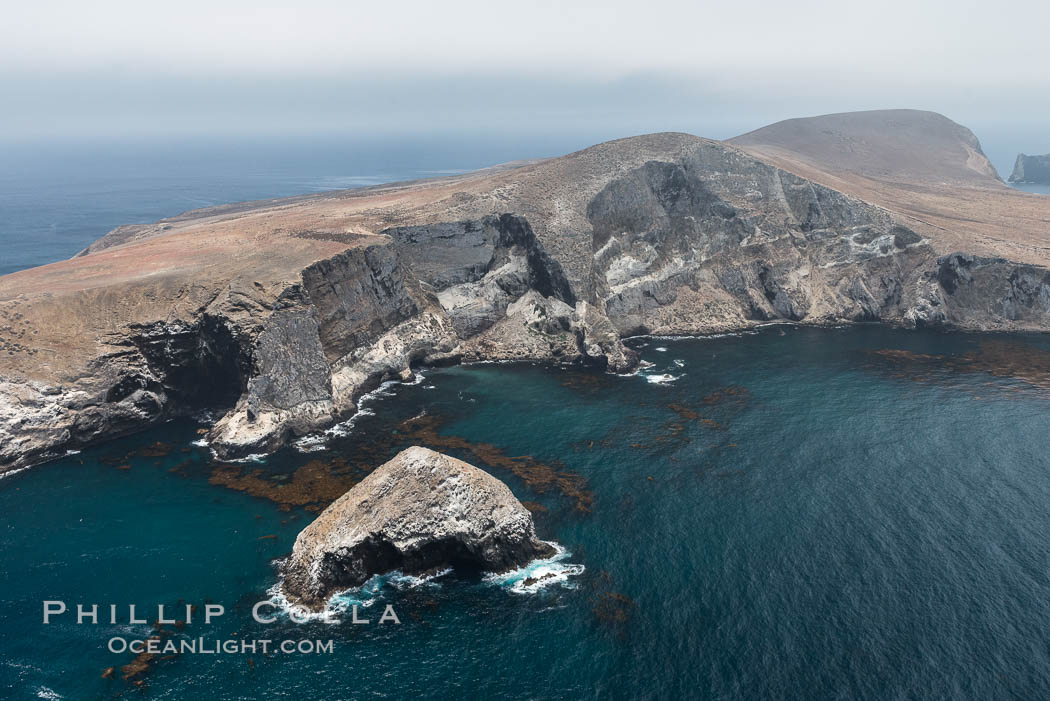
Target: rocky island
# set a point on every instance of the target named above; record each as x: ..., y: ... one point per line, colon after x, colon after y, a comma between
x: 416, y: 513
x: 278, y: 315
x: 1031, y: 169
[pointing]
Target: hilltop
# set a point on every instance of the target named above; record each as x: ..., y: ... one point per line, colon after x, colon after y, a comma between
x: 921, y: 165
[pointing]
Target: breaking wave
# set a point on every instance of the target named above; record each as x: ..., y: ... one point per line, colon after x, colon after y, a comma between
x: 315, y: 442
x: 364, y: 596
x: 533, y: 577
x: 540, y: 574
x: 662, y: 379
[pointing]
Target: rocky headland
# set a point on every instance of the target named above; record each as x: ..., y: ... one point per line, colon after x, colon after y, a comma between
x: 279, y: 315
x: 1031, y: 169
x: 419, y: 512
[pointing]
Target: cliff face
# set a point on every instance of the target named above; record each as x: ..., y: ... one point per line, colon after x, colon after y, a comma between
x: 433, y: 294
x: 1031, y: 169
x: 923, y: 167
x: 317, y: 301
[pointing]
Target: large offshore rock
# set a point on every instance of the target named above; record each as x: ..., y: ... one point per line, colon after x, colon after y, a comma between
x: 420, y: 511
x: 1031, y: 169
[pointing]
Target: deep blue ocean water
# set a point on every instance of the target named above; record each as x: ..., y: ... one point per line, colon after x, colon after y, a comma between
x: 806, y: 514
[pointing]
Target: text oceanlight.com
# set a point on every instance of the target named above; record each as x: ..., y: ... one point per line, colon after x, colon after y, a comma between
x: 201, y: 646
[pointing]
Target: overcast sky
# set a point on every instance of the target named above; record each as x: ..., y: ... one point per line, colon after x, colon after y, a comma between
x: 119, y: 68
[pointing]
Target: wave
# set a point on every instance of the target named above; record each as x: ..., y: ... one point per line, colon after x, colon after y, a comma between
x: 315, y: 442
x: 539, y: 574
x: 251, y: 457
x: 533, y: 577
x: 662, y: 379
x: 287, y: 609
x: 752, y: 331
x: 417, y: 377
x: 642, y: 365
x: 363, y: 596
x: 12, y: 473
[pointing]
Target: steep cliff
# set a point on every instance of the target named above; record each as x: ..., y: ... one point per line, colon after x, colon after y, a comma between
x: 923, y: 167
x: 281, y: 316
x: 1031, y: 169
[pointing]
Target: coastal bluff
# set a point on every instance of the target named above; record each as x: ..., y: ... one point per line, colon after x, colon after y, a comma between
x: 419, y: 512
x: 277, y: 316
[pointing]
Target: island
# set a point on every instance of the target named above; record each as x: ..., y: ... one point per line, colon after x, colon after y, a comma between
x: 277, y: 316
x: 1031, y: 169
x: 418, y: 513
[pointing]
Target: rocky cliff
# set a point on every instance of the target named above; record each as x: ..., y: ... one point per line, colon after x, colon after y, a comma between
x: 281, y: 315
x: 1031, y: 169
x: 418, y: 512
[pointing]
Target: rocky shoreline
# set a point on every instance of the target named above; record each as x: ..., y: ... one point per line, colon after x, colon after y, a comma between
x: 554, y: 262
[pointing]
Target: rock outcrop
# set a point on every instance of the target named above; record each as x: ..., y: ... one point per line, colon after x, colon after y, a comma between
x: 1031, y: 169
x: 416, y: 513
x: 366, y: 315
x: 278, y: 316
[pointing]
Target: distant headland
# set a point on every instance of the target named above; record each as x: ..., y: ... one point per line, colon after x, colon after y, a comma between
x: 1031, y: 169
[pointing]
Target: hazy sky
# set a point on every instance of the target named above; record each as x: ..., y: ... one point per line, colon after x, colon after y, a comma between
x: 121, y: 68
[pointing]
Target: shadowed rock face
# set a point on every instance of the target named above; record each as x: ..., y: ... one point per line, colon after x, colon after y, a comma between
x: 1031, y: 169
x: 420, y: 511
x: 366, y: 315
x: 923, y: 167
x: 718, y: 240
x: 280, y: 315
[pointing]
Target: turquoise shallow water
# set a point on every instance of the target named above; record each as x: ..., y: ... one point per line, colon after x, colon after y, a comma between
x: 792, y: 514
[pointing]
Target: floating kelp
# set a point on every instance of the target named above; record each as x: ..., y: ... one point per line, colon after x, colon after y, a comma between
x: 535, y: 507
x: 158, y: 449
x: 538, y: 476
x: 614, y: 607
x: 587, y: 381
x: 318, y: 483
x: 314, y: 485
x: 998, y: 358
x: 684, y: 411
x: 609, y: 606
x: 731, y: 394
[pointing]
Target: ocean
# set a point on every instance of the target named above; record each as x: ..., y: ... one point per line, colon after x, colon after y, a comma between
x: 794, y: 513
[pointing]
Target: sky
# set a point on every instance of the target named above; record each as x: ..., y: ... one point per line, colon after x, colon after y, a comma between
x: 121, y: 69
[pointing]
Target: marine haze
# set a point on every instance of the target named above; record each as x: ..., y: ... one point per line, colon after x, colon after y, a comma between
x: 120, y: 68
x: 279, y: 315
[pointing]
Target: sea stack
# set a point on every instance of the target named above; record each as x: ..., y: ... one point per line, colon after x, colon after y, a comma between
x: 416, y: 513
x: 1031, y: 169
